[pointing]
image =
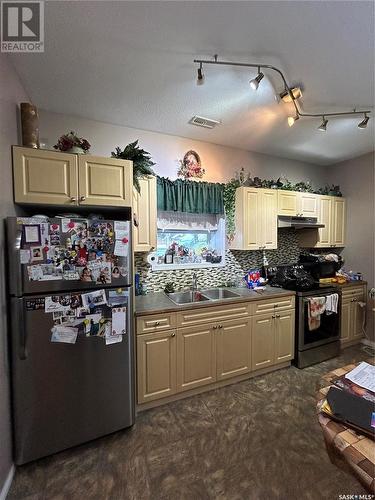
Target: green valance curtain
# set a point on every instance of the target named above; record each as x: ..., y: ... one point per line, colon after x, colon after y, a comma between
x: 190, y: 196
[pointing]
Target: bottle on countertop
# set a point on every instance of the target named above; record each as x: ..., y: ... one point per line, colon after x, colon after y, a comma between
x: 168, y: 258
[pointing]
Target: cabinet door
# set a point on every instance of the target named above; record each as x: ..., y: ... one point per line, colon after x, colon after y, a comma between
x: 263, y: 341
x: 105, y: 181
x: 358, y: 317
x: 144, y: 213
x: 286, y: 202
x: 252, y: 222
x: 268, y: 219
x: 338, y: 222
x: 156, y: 365
x: 44, y: 177
x: 346, y: 320
x: 233, y: 341
x: 308, y: 204
x: 325, y: 217
x: 284, y: 336
x: 196, y: 357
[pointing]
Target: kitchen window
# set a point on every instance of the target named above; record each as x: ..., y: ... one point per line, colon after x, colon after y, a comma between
x: 188, y: 241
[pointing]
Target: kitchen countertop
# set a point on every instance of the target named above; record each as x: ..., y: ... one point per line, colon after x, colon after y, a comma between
x: 351, y: 283
x: 158, y: 302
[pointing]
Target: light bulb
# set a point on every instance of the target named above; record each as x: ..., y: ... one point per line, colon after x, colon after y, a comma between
x: 254, y: 83
x: 323, y: 126
x: 364, y: 122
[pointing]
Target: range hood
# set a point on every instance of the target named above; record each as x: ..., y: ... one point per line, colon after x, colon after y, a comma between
x: 298, y: 222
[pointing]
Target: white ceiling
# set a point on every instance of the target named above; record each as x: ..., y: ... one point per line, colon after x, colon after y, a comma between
x: 131, y: 63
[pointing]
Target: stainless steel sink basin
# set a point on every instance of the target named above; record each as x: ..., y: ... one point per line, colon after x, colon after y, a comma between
x: 188, y: 297
x: 220, y: 293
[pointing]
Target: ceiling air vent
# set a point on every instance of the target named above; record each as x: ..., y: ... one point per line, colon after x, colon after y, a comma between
x: 201, y: 121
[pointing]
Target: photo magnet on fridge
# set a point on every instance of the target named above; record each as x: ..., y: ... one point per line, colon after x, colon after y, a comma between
x: 31, y: 234
x: 36, y: 253
x: 93, y: 299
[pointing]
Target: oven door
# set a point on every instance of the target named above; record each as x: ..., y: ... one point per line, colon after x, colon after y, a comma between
x: 328, y: 331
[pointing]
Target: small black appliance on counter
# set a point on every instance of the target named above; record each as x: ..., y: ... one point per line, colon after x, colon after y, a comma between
x: 319, y: 267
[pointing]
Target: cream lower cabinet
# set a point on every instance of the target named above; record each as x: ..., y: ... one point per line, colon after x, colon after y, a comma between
x: 256, y: 219
x: 272, y: 339
x: 352, y: 315
x: 55, y: 178
x: 196, y: 357
x: 207, y: 348
x: 156, y: 365
x: 233, y: 348
x: 145, y: 216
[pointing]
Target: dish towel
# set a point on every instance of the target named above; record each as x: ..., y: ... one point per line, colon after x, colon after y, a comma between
x: 317, y: 306
x: 332, y: 302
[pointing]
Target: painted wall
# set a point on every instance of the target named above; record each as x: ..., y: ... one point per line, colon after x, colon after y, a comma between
x: 220, y: 162
x: 357, y: 180
x: 11, y: 93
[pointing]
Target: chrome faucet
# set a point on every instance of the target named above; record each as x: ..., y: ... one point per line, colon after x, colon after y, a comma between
x: 194, y: 285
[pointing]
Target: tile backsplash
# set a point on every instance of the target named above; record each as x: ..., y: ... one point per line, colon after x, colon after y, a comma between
x: 236, y: 264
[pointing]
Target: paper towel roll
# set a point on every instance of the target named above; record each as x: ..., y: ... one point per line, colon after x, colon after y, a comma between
x: 152, y: 258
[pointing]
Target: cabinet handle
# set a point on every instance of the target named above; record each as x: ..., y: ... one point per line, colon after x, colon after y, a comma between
x: 157, y: 323
x: 73, y: 198
x: 273, y: 316
x: 82, y: 198
x: 220, y: 326
x: 173, y: 334
x: 277, y: 315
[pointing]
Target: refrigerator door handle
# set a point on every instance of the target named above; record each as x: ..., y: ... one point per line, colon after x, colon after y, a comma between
x: 14, y: 236
x: 18, y: 327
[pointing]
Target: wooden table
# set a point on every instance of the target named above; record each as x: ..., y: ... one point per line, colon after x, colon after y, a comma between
x: 346, y: 448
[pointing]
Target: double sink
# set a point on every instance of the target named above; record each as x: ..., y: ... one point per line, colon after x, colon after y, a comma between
x: 192, y: 296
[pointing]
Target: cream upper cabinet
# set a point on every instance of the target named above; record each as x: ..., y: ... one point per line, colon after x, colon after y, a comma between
x: 156, y: 365
x: 105, y: 181
x: 54, y: 178
x: 338, y: 222
x: 294, y: 203
x: 145, y: 216
x: 233, y: 348
x: 332, y: 213
x: 287, y: 202
x: 308, y: 204
x: 325, y: 217
x: 256, y: 219
x: 44, y: 177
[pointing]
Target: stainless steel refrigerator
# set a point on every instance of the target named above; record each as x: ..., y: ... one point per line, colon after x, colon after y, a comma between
x: 71, y: 339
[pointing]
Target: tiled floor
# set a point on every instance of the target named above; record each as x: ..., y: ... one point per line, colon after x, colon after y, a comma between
x: 257, y: 439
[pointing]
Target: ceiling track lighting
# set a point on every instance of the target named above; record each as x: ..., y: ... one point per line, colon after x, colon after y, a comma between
x: 364, y: 122
x: 254, y: 83
x: 200, y: 75
x: 323, y: 126
x: 288, y: 95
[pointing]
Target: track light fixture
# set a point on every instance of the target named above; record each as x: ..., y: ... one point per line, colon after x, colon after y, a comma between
x: 200, y: 76
x: 364, y: 122
x: 292, y: 119
x: 288, y: 95
x: 296, y: 91
x: 254, y: 83
x: 323, y: 126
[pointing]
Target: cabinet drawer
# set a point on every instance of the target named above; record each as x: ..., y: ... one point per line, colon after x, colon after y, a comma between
x: 156, y: 322
x: 212, y: 314
x: 268, y: 305
x: 354, y: 291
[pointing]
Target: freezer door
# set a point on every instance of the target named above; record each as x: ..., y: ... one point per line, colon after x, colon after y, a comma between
x: 68, y: 254
x: 66, y: 394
